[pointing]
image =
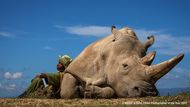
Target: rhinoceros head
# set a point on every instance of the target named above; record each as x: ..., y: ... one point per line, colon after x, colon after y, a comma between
x: 131, y: 73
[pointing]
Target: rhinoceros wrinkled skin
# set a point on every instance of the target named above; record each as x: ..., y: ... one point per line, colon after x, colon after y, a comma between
x: 116, y: 66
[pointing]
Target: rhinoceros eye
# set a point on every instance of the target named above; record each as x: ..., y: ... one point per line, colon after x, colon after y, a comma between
x: 125, y: 65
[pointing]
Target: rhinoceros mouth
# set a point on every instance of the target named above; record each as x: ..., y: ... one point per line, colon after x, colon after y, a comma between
x: 143, y: 89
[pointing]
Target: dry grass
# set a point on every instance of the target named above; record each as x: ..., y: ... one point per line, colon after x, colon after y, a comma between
x: 29, y: 102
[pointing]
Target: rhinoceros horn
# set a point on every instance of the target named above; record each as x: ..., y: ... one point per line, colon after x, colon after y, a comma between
x: 159, y: 70
x: 147, y: 60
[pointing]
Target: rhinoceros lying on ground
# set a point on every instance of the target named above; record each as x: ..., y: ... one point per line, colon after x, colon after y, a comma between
x: 115, y: 66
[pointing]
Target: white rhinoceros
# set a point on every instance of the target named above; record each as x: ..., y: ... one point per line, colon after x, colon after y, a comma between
x: 115, y: 66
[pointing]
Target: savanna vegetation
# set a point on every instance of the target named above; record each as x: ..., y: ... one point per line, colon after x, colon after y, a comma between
x: 181, y: 100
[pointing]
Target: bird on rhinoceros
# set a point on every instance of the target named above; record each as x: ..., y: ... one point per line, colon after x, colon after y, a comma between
x: 115, y: 66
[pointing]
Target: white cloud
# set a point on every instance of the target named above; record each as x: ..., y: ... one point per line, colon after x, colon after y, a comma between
x: 168, y: 76
x: 97, y: 31
x: 9, y: 75
x: 189, y: 75
x: 6, y: 34
x: 177, y: 73
x: 171, y: 76
x: 179, y: 70
x: 164, y: 43
x: 176, y: 76
x: 59, y: 26
x: 11, y: 87
x: 8, y: 86
x: 48, y: 48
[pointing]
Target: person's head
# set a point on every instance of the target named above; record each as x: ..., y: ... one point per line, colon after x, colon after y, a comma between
x: 63, y: 62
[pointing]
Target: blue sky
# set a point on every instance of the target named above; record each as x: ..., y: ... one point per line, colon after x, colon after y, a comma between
x: 34, y: 32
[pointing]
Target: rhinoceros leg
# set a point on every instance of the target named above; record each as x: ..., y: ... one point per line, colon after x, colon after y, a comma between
x: 69, y: 87
x: 98, y: 92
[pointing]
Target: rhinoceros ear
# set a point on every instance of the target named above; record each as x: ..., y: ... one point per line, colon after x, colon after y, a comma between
x: 149, y: 42
x: 115, y: 32
x: 147, y: 60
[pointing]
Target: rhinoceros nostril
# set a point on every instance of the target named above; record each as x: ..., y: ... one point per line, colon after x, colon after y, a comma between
x: 125, y: 65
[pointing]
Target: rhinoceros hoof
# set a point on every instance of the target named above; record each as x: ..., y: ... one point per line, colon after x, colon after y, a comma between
x: 87, y: 95
x: 90, y: 92
x: 89, y: 88
x: 90, y: 95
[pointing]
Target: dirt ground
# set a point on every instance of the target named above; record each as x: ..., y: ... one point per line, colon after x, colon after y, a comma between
x: 177, y: 101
